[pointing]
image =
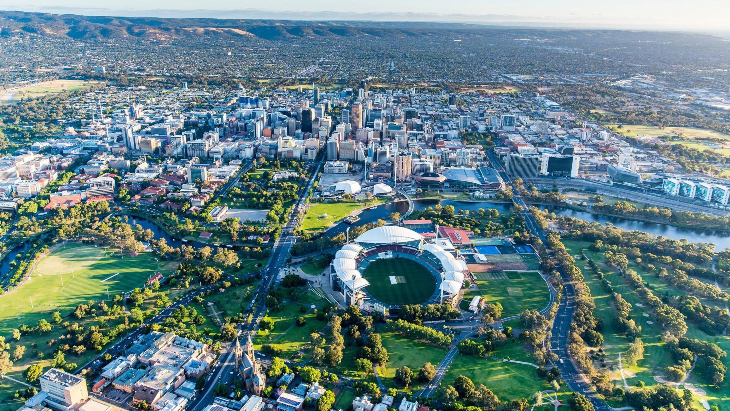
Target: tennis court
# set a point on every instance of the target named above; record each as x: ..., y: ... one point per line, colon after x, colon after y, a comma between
x: 487, y: 249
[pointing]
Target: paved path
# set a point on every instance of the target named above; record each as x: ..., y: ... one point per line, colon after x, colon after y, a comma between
x: 377, y: 378
x: 17, y: 381
x: 621, y: 370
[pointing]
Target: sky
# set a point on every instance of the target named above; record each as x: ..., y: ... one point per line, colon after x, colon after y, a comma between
x: 680, y: 15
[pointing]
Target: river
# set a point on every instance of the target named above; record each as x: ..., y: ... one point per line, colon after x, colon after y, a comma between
x: 721, y: 242
x: 696, y: 236
x: 383, y: 211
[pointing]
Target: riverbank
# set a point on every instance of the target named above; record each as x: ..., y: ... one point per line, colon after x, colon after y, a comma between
x: 627, y: 216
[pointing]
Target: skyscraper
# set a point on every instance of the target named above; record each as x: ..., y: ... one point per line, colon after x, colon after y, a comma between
x: 356, y: 116
x: 307, y: 117
x: 316, y: 96
x: 404, y: 163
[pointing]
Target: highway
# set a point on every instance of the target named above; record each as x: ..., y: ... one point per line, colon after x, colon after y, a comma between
x: 223, y: 371
x: 675, y: 203
x: 564, y: 317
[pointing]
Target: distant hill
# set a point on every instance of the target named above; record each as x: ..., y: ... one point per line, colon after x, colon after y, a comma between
x: 101, y: 27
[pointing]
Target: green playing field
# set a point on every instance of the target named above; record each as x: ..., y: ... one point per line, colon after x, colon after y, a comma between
x: 399, y: 281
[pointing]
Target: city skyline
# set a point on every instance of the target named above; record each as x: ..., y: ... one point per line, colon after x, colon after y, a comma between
x: 704, y: 16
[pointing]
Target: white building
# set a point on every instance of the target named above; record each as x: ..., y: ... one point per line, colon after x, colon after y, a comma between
x: 336, y: 167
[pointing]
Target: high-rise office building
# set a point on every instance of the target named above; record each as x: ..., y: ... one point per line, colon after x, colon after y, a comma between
x: 307, y: 117
x: 333, y: 148
x: 316, y: 96
x: 403, y: 166
x: 345, y: 116
x: 356, y: 117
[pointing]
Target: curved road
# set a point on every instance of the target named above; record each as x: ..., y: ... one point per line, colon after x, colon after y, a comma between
x: 564, y: 317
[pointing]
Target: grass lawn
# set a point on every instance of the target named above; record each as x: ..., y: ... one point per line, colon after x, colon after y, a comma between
x: 320, y: 216
x: 52, y: 87
x: 83, y: 268
x: 508, y: 381
x: 403, y: 351
x: 344, y: 398
x: 513, y: 349
x: 70, y: 276
x: 686, y: 136
x: 233, y: 300
x: 656, y: 354
x: 516, y: 293
x: 311, y: 269
x: 414, y: 285
x: 286, y: 334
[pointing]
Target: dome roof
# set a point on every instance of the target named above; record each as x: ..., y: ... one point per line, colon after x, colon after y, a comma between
x: 450, y: 287
x: 352, y: 247
x: 348, y: 186
x: 346, y: 254
x: 389, y: 234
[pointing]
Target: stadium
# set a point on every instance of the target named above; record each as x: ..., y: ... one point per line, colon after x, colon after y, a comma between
x: 390, y: 266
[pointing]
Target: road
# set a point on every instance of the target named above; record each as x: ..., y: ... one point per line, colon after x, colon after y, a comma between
x: 564, y: 317
x: 643, y: 196
x: 223, y: 371
x: 119, y: 347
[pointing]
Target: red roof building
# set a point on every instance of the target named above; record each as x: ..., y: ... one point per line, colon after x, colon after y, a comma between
x: 457, y: 236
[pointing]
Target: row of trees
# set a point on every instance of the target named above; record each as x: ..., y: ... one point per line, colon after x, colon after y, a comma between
x: 419, y: 332
x: 584, y: 323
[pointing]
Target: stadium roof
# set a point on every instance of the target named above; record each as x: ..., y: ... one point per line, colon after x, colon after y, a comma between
x: 481, y: 175
x: 389, y: 234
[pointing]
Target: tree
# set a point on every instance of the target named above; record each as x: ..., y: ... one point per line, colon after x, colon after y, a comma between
x: 278, y: 367
x: 485, y: 398
x: 310, y: 374
x: 136, y: 314
x: 221, y: 390
x: 579, y: 402
x: 334, y: 355
x: 464, y: 386
x: 404, y: 375
x: 364, y: 365
x: 18, y: 352
x: 205, y: 253
x: 44, y: 326
x: 16, y: 334
x: 200, y: 383
x: 318, y: 355
x: 427, y: 372
x: 59, y: 360
x: 394, y: 216
x: 266, y: 324
x: 228, y: 332
x: 210, y: 275
x: 449, y: 394
x: 634, y: 353
x: 325, y: 402
x: 56, y: 317
x: 5, y: 363
x: 33, y: 373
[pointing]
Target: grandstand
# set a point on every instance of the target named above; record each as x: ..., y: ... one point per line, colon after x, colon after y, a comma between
x: 446, y: 270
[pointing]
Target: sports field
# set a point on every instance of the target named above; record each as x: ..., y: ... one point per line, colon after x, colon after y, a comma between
x: 70, y: 276
x: 399, y: 281
x: 516, y: 291
x: 508, y: 381
x: 45, y: 88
